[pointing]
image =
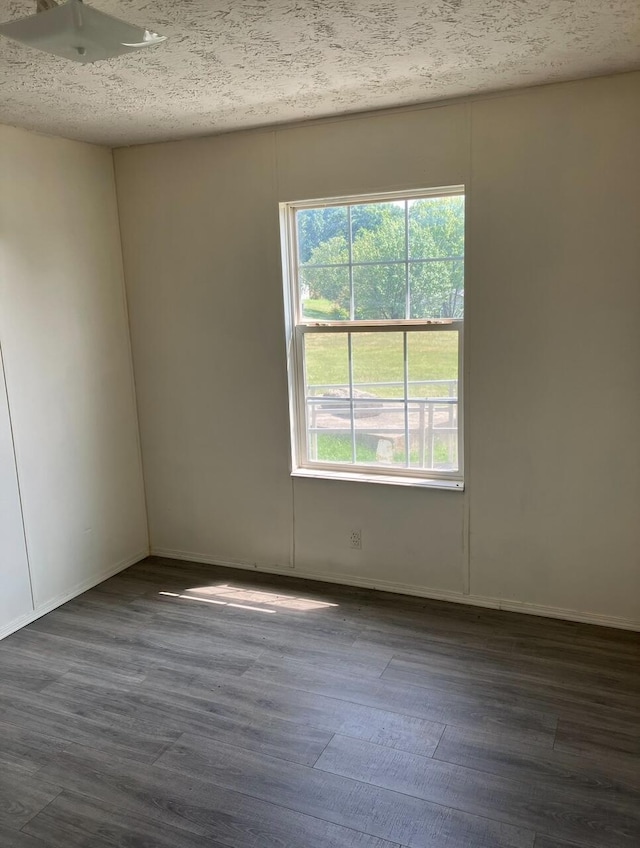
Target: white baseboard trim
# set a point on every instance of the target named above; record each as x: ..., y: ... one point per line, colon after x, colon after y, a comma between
x: 78, y: 589
x: 409, y: 589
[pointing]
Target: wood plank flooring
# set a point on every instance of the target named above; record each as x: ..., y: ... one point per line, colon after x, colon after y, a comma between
x: 186, y: 706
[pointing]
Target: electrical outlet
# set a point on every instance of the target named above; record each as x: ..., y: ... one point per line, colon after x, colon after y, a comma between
x: 355, y: 539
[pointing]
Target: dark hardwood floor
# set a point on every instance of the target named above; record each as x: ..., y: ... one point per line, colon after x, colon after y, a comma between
x: 264, y: 712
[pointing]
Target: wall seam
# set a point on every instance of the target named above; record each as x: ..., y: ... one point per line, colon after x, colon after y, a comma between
x: 466, y: 523
x: 275, y: 184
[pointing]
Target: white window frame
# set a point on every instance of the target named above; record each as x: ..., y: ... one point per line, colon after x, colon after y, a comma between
x: 297, y: 327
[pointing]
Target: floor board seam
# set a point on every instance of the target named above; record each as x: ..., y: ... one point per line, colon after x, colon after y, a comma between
x: 362, y: 783
x: 48, y: 804
x: 206, y: 831
x: 333, y: 735
x: 382, y: 709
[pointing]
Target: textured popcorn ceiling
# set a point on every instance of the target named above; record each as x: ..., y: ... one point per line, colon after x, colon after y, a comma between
x: 240, y: 63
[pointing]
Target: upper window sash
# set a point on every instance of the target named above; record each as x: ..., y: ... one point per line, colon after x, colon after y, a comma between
x: 293, y: 267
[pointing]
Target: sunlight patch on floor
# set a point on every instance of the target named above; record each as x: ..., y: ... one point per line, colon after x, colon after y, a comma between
x: 226, y: 595
x: 212, y: 601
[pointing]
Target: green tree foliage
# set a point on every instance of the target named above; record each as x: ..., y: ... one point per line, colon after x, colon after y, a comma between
x: 315, y: 226
x: 436, y: 233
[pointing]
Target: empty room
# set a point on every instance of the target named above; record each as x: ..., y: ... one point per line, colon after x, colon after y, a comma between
x: 319, y: 424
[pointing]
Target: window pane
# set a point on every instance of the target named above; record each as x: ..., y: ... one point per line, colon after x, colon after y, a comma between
x: 380, y: 291
x: 325, y: 293
x: 378, y: 231
x: 436, y: 227
x: 326, y: 365
x: 437, y: 289
x: 433, y: 364
x: 433, y: 411
x: 380, y: 433
x: 323, y: 235
x: 433, y: 435
x: 378, y: 364
x: 329, y: 434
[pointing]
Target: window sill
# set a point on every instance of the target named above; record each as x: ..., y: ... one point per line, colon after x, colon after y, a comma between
x: 385, y: 479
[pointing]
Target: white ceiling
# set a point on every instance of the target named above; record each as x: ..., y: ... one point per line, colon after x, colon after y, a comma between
x: 240, y: 63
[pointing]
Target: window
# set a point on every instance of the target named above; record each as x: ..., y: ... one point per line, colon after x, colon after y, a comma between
x: 374, y: 288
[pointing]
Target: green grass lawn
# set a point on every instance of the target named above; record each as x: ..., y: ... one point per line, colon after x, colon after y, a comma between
x: 378, y: 357
x: 322, y: 310
x: 334, y: 448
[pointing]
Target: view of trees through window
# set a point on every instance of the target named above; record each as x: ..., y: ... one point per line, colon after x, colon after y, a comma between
x: 376, y: 261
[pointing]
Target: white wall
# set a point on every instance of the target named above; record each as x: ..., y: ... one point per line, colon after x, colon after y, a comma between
x: 65, y: 344
x: 555, y: 224
x: 549, y: 518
